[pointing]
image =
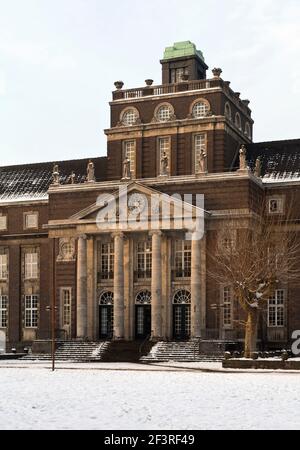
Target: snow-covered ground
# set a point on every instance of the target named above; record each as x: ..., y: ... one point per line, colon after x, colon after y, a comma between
x: 86, y: 398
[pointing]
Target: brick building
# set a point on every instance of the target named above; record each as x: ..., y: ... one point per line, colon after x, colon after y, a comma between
x: 180, y: 137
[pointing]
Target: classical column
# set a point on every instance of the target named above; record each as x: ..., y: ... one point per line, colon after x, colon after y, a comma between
x: 156, y: 286
x: 91, y: 288
x: 119, y: 322
x: 196, y: 289
x: 82, y: 288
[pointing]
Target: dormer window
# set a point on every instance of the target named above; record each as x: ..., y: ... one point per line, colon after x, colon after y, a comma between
x: 248, y: 130
x: 129, y: 117
x: 200, y: 109
x: 228, y: 111
x: 238, y: 122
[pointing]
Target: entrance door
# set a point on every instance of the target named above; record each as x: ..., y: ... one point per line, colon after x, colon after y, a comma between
x: 142, y: 321
x: 181, y: 322
x: 106, y: 321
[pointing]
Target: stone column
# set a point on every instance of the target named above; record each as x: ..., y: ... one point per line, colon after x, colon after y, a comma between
x: 196, y: 289
x: 91, y: 291
x: 156, y: 286
x: 119, y: 322
x: 82, y: 288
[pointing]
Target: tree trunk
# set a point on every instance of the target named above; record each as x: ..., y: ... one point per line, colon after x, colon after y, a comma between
x: 251, y: 333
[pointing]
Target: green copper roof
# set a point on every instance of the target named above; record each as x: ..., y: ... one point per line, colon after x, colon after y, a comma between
x: 181, y: 49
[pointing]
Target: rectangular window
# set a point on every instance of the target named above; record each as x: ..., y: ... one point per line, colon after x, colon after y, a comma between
x: 199, y: 149
x: 164, y: 148
x: 276, y: 309
x: 177, y: 74
x: 3, y: 223
x: 31, y: 220
x: 144, y: 259
x: 3, y: 311
x: 31, y: 311
x: 275, y: 205
x: 183, y: 259
x: 227, y: 307
x: 129, y: 152
x: 3, y: 267
x: 66, y: 302
x: 31, y: 266
x: 107, y: 261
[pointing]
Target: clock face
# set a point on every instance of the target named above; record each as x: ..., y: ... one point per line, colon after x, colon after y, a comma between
x: 136, y: 203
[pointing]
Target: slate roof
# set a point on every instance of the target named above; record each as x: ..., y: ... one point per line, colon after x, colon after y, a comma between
x: 32, y: 181
x: 280, y: 159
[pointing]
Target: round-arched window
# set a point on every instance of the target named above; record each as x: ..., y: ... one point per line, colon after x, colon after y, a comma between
x: 182, y: 297
x: 143, y: 298
x: 106, y: 298
x: 238, y: 122
x: 164, y: 113
x: 200, y: 109
x: 248, y: 130
x: 129, y: 117
x: 228, y: 111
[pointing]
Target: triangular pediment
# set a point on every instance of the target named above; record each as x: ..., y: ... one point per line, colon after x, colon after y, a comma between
x: 134, y: 206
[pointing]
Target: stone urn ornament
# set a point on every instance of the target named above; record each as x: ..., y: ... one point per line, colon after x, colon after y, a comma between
x: 119, y: 85
x: 149, y: 82
x: 217, y: 72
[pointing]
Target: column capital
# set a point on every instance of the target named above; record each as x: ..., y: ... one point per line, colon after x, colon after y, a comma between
x: 119, y: 234
x: 82, y: 236
x: 155, y: 233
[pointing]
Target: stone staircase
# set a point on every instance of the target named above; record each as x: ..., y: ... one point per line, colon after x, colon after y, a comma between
x: 188, y: 351
x: 126, y: 351
x: 74, y: 351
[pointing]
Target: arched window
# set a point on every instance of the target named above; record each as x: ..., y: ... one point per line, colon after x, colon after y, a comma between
x: 129, y: 117
x: 143, y: 298
x: 106, y: 298
x: 248, y: 130
x: 182, y: 297
x: 228, y: 111
x: 238, y: 122
x: 200, y: 109
x: 164, y: 112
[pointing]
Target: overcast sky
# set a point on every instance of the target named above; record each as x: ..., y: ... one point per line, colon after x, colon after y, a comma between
x: 60, y: 58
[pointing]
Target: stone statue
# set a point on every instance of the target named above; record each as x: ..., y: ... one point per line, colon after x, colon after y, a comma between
x: 202, y: 162
x: 126, y: 169
x: 91, y: 172
x: 243, y: 158
x: 164, y: 164
x: 55, y: 174
x: 71, y: 179
x: 257, y: 171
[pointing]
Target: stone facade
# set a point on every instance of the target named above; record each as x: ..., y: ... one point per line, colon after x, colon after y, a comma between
x: 130, y: 283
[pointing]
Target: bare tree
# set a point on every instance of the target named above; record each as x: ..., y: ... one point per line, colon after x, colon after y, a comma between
x: 253, y: 259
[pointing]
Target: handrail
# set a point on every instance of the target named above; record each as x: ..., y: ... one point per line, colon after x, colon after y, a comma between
x: 143, y: 343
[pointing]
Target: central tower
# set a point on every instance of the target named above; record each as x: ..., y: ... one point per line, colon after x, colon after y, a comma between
x: 183, y: 62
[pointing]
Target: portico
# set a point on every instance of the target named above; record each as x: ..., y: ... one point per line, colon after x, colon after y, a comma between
x: 127, y: 285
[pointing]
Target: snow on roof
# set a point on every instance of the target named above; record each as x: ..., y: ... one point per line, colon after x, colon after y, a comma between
x: 30, y: 182
x: 280, y: 160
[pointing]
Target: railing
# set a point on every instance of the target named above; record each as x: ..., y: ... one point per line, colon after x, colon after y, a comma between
x: 105, y: 276
x: 167, y: 89
x: 144, y: 343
